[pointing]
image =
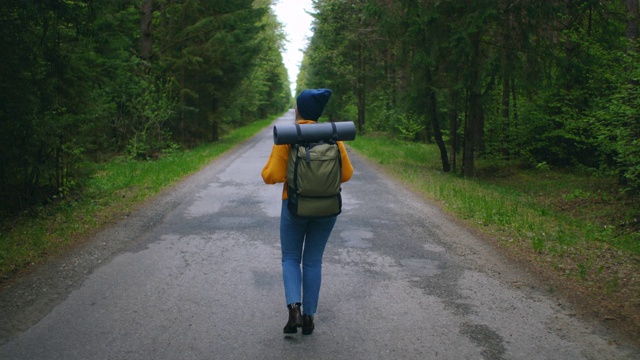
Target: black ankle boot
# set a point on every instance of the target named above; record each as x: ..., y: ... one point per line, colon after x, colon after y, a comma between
x: 307, y: 325
x: 295, y: 319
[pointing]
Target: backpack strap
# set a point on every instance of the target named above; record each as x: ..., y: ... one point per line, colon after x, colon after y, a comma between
x: 334, y: 141
x: 300, y: 139
x: 307, y: 153
x: 299, y: 133
x: 295, y: 170
x: 334, y: 137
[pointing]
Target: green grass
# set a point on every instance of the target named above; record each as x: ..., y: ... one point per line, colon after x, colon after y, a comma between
x: 524, y: 203
x: 115, y: 188
x: 571, y: 226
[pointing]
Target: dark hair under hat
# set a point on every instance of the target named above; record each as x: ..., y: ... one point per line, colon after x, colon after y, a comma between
x: 311, y: 103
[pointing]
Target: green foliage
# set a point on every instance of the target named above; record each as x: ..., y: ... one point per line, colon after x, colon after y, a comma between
x: 341, y: 63
x: 409, y: 126
x: 110, y: 192
x: 75, y: 89
x: 149, y: 135
x: 530, y: 82
x: 616, y: 125
x: 382, y: 120
x: 53, y: 105
x: 222, y: 59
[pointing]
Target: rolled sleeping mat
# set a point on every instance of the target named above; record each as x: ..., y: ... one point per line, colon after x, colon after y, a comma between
x: 310, y: 133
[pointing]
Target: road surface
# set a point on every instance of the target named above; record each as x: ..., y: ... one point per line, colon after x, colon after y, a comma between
x: 195, y: 274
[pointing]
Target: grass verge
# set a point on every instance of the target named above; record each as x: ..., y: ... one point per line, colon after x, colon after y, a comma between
x: 576, y: 230
x: 115, y: 188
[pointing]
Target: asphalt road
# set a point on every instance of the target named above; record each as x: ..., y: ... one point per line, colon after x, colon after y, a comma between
x: 195, y: 274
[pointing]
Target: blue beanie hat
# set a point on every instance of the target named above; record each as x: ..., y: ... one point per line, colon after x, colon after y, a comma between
x: 310, y: 103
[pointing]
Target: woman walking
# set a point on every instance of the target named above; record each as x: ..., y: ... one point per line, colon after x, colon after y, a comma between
x: 302, y: 240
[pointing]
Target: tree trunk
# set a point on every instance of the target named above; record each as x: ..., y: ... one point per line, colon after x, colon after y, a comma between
x: 632, y: 21
x: 446, y: 167
x: 505, y: 128
x: 506, y: 94
x: 453, y: 128
x: 182, y: 104
x: 215, y: 132
x: 475, y: 119
x: 59, y: 170
x: 514, y: 103
x: 213, y: 115
x: 632, y: 31
x: 469, y: 145
x: 506, y: 61
x: 146, y: 40
x: 361, y: 88
x: 392, y: 81
x: 569, y: 44
x: 361, y: 110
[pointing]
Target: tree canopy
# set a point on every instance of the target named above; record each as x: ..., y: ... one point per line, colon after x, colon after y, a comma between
x: 81, y: 81
x: 533, y: 82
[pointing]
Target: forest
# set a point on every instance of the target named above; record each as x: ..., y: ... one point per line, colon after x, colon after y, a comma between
x: 537, y: 83
x: 540, y: 84
x: 102, y: 104
x: 84, y: 81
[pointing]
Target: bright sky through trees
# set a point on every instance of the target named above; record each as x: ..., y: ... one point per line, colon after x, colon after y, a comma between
x: 297, y: 26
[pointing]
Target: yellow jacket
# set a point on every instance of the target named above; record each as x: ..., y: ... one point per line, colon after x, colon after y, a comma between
x: 275, y: 171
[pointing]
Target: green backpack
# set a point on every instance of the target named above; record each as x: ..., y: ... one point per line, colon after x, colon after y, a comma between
x: 314, y: 174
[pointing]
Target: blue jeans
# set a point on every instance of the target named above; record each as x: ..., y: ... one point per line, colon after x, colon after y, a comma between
x: 303, y: 241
